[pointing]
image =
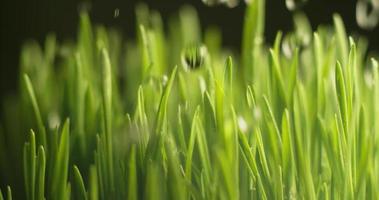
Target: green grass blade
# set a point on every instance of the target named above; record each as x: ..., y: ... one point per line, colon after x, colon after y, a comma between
x: 132, y: 175
x: 341, y: 94
x: 191, y: 146
x: 60, y: 175
x: 93, y: 184
x: 78, y: 184
x: 107, y: 111
x: 252, y: 32
x: 30, y: 166
x: 342, y: 41
x: 160, y: 120
x: 41, y: 128
x: 40, y: 175
x: 9, y: 193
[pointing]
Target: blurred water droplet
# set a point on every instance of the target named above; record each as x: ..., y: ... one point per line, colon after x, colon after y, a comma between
x: 289, y: 45
x: 84, y: 6
x: 257, y: 113
x: 53, y: 120
x: 210, y: 2
x: 203, y: 85
x: 242, y: 125
x: 116, y: 13
x: 228, y: 3
x: 164, y: 80
x: 193, y: 56
x: 367, y: 13
x: 368, y: 78
x: 294, y: 4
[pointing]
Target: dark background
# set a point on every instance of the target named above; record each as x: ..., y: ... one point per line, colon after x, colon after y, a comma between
x: 34, y: 19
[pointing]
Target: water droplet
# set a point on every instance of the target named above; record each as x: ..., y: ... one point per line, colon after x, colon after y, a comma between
x: 84, y: 6
x: 193, y: 56
x: 164, y: 80
x: 210, y: 2
x: 257, y: 113
x: 369, y: 78
x: 116, y: 13
x: 295, y: 4
x: 303, y: 29
x: 203, y: 85
x: 228, y: 3
x: 53, y: 120
x: 289, y: 45
x: 242, y: 125
x: 367, y: 14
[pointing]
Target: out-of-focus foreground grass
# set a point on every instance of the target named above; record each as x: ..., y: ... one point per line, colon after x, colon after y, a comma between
x: 173, y: 115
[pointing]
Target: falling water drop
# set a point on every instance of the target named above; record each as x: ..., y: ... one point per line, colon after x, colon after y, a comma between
x: 84, y: 6
x: 116, y: 13
x: 193, y: 56
x: 367, y: 13
x: 294, y: 4
x: 303, y: 29
x: 228, y: 3
x: 210, y: 2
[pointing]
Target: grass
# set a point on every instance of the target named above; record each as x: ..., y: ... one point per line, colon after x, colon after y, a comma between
x: 172, y: 115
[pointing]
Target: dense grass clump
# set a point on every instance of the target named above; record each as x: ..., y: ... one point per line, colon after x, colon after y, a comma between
x: 173, y: 116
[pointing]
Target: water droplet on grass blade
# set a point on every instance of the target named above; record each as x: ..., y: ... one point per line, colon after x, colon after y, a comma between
x: 289, y: 45
x: 193, y: 56
x: 294, y: 4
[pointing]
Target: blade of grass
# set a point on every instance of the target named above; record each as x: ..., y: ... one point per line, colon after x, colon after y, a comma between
x: 40, y: 174
x: 41, y: 128
x: 78, y: 184
x: 59, y: 184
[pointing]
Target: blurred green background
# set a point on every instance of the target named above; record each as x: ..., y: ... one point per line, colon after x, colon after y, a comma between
x: 22, y: 20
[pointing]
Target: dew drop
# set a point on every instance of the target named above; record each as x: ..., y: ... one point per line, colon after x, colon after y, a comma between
x: 193, y: 56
